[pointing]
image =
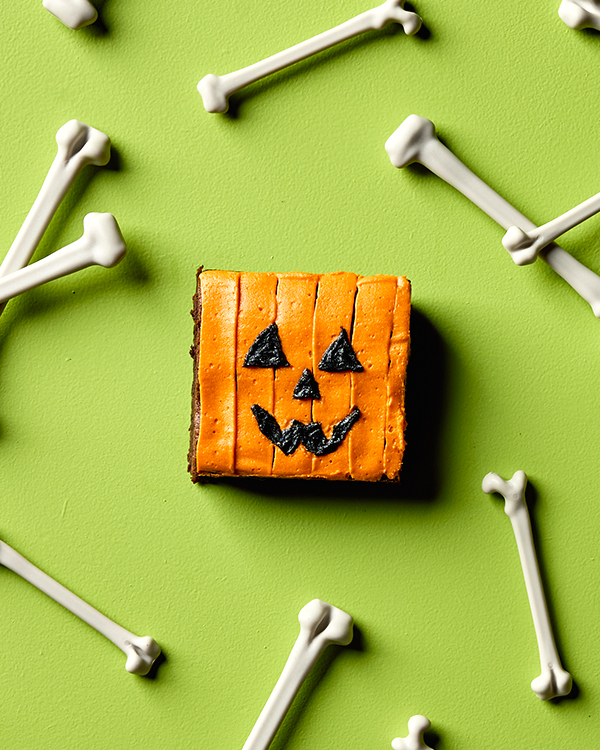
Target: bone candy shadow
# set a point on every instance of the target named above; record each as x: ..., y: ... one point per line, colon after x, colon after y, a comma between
x: 424, y: 33
x: 99, y: 28
x: 132, y: 272
x: 433, y: 740
x: 158, y: 662
x: 36, y: 302
x: 311, y: 684
x: 532, y: 500
x: 282, y: 77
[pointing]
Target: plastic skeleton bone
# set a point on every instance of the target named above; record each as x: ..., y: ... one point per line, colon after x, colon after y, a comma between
x: 73, y: 13
x: 554, y: 680
x: 529, y: 244
x: 78, y: 146
x: 320, y: 625
x: 416, y: 141
x: 141, y: 652
x: 417, y: 725
x: 580, y: 14
x: 216, y: 90
x: 101, y: 244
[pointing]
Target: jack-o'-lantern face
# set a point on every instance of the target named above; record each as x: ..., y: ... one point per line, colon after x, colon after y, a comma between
x: 267, y: 351
x: 301, y: 375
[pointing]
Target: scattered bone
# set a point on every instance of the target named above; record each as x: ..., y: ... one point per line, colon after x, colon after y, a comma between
x: 417, y: 725
x: 554, y: 680
x: 320, y: 625
x: 216, y: 90
x: 141, y: 652
x: 416, y: 141
x: 78, y: 146
x: 73, y: 13
x: 101, y: 244
x: 580, y: 14
x: 529, y: 244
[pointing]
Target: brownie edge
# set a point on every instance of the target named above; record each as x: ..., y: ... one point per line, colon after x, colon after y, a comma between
x: 196, y: 314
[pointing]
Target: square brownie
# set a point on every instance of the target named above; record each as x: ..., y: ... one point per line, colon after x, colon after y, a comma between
x: 299, y: 375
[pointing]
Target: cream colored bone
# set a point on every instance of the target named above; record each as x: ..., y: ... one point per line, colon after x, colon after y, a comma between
x: 216, y: 90
x: 417, y: 725
x: 554, y: 680
x: 321, y: 624
x: 416, y: 141
x: 101, y: 244
x: 73, y: 13
x: 78, y: 146
x: 141, y: 653
x: 580, y: 14
x: 529, y: 244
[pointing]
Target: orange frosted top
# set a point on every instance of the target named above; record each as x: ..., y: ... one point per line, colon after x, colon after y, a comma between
x: 300, y: 375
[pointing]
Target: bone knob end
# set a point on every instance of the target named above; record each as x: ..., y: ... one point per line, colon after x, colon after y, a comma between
x: 522, y: 248
x: 317, y: 615
x: 214, y: 99
x: 552, y: 683
x: 105, y: 238
x: 580, y: 14
x: 417, y: 725
x: 405, y: 144
x: 141, y: 655
x: 73, y: 13
x: 75, y: 138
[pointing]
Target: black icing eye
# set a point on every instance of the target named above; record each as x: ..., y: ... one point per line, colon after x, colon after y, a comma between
x: 307, y: 386
x: 266, y: 350
x: 340, y: 356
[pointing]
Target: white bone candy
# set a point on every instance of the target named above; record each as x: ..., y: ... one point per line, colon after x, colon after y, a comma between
x: 141, y: 653
x: 216, y: 90
x: 416, y: 141
x: 580, y: 14
x: 321, y: 624
x: 529, y: 244
x: 101, y: 244
x: 417, y: 726
x: 554, y: 680
x: 73, y: 13
x: 78, y: 146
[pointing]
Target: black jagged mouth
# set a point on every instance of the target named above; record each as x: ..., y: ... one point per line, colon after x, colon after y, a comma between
x: 309, y: 434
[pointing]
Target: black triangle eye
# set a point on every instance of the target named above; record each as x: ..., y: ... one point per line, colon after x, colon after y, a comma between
x: 307, y: 386
x: 340, y: 356
x: 266, y: 350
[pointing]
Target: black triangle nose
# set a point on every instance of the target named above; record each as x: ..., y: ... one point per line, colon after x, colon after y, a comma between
x: 307, y: 387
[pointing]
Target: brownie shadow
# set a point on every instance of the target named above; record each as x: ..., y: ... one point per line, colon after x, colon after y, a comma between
x: 420, y: 478
x: 310, y: 685
x: 238, y: 99
x: 532, y: 501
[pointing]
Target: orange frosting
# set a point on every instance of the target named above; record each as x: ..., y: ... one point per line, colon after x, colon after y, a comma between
x: 257, y: 307
x: 371, y: 341
x: 309, y: 311
x: 334, y: 310
x: 218, y: 335
x: 296, y: 294
x: 399, y: 351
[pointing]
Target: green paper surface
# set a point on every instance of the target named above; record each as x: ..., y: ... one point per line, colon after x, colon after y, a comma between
x: 95, y: 379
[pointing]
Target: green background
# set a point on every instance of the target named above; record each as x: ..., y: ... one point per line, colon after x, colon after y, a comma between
x: 95, y: 379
